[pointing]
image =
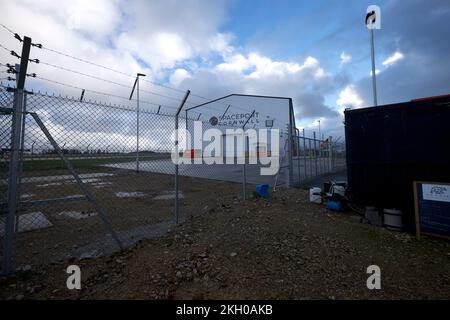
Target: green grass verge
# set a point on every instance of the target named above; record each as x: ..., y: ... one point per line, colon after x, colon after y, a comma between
x: 87, y: 163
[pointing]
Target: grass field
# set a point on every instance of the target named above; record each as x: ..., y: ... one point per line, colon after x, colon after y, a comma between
x: 88, y: 162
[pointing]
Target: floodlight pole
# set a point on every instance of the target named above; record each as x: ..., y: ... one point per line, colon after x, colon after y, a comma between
x: 136, y: 86
x: 374, y: 79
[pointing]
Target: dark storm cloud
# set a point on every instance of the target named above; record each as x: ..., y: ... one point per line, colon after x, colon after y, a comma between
x: 312, y: 105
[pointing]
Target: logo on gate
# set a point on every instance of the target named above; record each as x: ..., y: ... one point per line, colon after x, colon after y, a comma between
x: 214, y: 121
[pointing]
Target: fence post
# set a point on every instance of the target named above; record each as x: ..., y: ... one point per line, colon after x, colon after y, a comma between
x: 315, y: 153
x: 291, y: 154
x: 304, y: 151
x: 244, y: 168
x: 177, y: 153
x: 298, y: 153
x: 14, y: 165
x: 137, y: 125
x: 136, y: 86
x: 330, y: 154
x: 310, y: 157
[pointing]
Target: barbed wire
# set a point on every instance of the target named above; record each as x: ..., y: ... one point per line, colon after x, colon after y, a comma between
x: 132, y: 76
x: 110, y: 94
x: 5, y: 48
x: 111, y: 82
x: 7, y: 29
x: 154, y: 83
x: 128, y: 87
x: 86, y: 61
x: 102, y: 93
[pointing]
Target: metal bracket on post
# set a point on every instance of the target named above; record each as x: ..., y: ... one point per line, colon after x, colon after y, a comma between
x: 177, y: 210
x: 14, y: 165
x: 80, y: 183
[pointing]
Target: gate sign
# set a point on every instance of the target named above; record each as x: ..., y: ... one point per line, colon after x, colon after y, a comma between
x: 432, y: 208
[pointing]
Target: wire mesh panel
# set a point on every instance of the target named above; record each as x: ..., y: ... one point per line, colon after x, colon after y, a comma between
x: 57, y: 217
x: 131, y: 181
x: 6, y: 105
x: 90, y: 183
x: 96, y: 177
x: 219, y: 157
x: 316, y: 158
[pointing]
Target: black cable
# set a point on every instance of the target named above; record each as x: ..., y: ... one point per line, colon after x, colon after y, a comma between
x: 7, y: 29
x: 3, y: 47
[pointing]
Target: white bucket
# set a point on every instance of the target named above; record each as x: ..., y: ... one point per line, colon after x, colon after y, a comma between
x: 340, y: 190
x: 315, y: 196
x: 393, y: 219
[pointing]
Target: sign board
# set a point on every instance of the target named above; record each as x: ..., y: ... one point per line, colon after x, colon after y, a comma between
x: 432, y: 208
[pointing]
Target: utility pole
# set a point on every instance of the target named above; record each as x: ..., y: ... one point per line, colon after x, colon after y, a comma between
x: 14, y: 165
x: 136, y: 86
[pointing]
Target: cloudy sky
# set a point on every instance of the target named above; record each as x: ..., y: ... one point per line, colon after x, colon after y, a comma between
x: 316, y: 52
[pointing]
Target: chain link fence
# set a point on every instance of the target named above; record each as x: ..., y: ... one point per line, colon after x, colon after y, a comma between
x: 313, y: 157
x: 89, y: 187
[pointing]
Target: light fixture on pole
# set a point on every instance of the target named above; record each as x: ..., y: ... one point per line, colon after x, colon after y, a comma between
x: 136, y: 86
x: 373, y: 21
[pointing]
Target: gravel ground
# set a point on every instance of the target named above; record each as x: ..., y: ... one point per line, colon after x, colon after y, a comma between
x: 278, y: 248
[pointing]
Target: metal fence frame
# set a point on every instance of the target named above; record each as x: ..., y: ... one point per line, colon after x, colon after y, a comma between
x: 15, y: 144
x: 299, y: 159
